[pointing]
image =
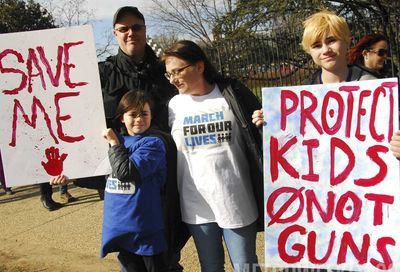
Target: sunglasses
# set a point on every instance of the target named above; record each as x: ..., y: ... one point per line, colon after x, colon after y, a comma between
x: 381, y: 52
x: 135, y: 28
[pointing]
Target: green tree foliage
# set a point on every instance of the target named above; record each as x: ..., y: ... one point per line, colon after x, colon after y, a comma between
x: 19, y: 15
x: 283, y: 19
x: 267, y: 15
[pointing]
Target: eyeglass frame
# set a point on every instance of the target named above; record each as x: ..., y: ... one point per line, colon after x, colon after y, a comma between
x: 176, y: 72
x: 134, y: 28
x: 380, y: 52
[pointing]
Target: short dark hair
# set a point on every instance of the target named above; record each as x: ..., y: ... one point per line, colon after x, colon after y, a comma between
x: 192, y: 53
x: 133, y: 100
x: 127, y: 10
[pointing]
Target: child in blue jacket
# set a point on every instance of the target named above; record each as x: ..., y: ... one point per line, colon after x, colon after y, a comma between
x: 133, y: 217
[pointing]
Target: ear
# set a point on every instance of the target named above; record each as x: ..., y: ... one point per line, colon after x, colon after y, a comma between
x: 200, y: 66
x: 122, y: 119
x: 364, y: 53
x: 114, y: 32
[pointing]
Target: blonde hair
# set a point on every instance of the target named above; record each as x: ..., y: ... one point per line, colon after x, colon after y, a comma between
x: 320, y: 23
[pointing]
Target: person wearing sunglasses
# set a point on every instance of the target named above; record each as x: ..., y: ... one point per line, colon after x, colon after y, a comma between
x: 370, y: 53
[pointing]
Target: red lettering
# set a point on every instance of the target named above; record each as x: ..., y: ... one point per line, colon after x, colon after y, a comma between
x: 361, y: 112
x: 372, y: 129
x: 311, y: 246
x: 55, y: 79
x: 306, y: 112
x: 356, y: 208
x: 286, y: 111
x: 379, y: 199
x: 282, y: 240
x: 276, y: 156
x: 372, y: 152
x: 348, y: 242
x: 311, y: 198
x: 35, y: 104
x: 32, y: 59
x: 381, y: 247
x: 340, y: 112
x: 390, y: 86
x: 3, y: 70
x: 276, y: 217
x: 68, y: 66
x: 59, y: 118
x: 350, y: 105
x: 338, y: 143
x: 311, y: 176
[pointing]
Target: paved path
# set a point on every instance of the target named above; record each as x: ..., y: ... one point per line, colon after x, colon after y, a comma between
x: 34, y: 239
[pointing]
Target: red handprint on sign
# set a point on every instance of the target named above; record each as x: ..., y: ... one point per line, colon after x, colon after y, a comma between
x: 54, y: 164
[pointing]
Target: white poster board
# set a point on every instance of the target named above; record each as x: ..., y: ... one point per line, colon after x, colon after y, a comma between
x: 51, y: 109
x: 332, y: 187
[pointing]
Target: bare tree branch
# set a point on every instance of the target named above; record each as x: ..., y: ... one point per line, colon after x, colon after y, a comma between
x: 75, y: 12
x: 193, y: 18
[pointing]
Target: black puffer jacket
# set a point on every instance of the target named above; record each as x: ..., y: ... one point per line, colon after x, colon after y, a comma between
x: 120, y: 73
x: 243, y: 103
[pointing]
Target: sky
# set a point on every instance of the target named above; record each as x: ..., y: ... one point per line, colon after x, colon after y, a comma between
x: 105, y: 9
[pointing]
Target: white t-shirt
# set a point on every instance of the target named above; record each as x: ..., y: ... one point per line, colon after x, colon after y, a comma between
x: 213, y: 172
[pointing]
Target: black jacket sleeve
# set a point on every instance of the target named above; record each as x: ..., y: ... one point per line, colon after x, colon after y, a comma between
x: 122, y: 167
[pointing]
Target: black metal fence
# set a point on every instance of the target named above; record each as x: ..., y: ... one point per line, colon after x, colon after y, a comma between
x: 277, y: 59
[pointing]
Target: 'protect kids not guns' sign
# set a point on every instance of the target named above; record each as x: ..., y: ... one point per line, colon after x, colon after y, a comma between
x: 332, y: 187
x: 51, y: 110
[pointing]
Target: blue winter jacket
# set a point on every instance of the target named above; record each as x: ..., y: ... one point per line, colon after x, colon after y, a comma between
x: 133, y: 216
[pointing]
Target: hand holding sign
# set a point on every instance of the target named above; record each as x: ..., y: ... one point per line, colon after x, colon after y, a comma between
x: 258, y: 118
x: 54, y: 164
x: 395, y: 144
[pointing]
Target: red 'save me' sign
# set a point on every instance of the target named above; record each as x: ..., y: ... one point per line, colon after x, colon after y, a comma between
x: 51, y: 109
x: 332, y: 187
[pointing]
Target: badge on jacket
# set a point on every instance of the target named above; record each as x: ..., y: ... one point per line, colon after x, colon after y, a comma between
x: 115, y: 186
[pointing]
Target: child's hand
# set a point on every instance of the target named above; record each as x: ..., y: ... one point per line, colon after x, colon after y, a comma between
x: 110, y: 136
x: 395, y: 144
x: 258, y: 118
x: 58, y: 180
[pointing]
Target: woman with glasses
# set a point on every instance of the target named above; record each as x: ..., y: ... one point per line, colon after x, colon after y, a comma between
x: 220, y: 178
x: 370, y: 53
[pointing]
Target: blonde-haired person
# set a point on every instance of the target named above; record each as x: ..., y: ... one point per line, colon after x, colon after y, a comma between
x: 326, y: 38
